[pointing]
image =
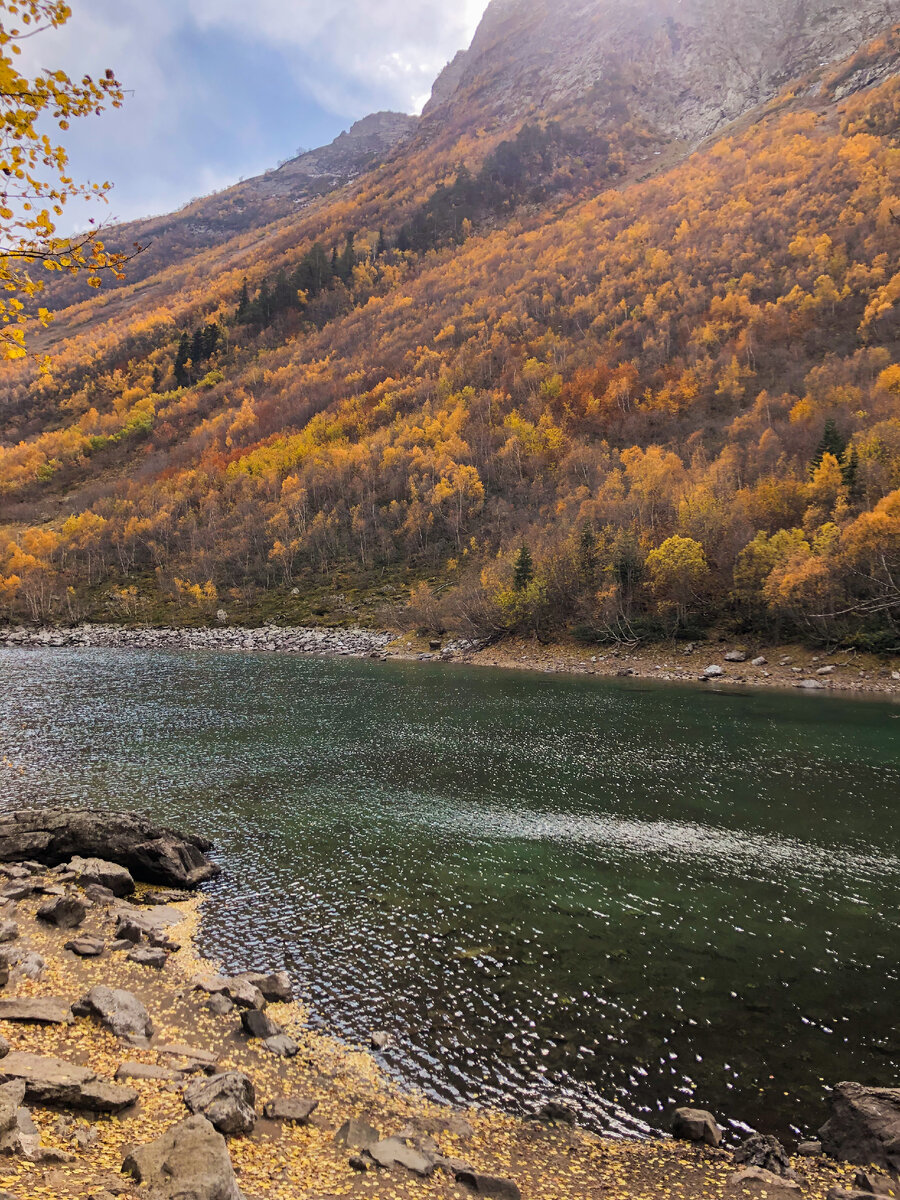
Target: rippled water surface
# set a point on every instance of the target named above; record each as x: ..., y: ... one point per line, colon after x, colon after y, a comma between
x: 627, y: 893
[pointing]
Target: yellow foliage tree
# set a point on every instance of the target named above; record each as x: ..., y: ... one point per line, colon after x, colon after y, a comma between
x: 36, y: 184
x: 678, y: 571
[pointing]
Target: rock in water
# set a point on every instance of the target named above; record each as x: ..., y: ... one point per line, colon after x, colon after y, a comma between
x: 115, y: 878
x: 864, y: 1126
x: 120, y: 1011
x: 150, y: 852
x: 696, y: 1125
x: 190, y: 1161
x: 228, y: 1101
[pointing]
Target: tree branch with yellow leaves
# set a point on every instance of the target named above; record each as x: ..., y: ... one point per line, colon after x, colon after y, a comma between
x: 34, y: 182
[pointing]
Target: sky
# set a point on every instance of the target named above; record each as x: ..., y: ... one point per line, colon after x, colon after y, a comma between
x: 220, y: 90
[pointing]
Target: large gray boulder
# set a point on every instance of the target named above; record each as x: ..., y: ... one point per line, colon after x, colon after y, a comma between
x: 228, y: 1101
x: 53, y: 1081
x: 120, y: 1011
x: 274, y: 985
x: 863, y: 1126
x: 151, y: 852
x: 189, y: 1162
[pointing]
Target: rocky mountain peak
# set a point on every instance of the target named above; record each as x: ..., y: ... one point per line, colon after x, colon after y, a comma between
x: 686, y: 67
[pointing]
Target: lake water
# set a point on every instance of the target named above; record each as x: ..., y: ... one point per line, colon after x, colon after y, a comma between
x: 630, y: 894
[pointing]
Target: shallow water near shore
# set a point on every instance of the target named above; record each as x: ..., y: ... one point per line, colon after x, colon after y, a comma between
x: 630, y: 894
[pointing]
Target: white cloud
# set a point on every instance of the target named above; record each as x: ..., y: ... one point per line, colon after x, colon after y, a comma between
x: 220, y: 89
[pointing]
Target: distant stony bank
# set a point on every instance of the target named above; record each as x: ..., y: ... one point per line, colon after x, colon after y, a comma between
x: 353, y: 641
x: 129, y: 1067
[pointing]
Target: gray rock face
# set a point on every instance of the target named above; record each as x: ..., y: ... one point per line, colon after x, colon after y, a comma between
x: 228, y: 1101
x: 692, y: 66
x: 42, y: 1010
x: 696, y: 1125
x: 151, y: 853
x: 240, y: 991
x: 120, y: 1011
x: 189, y: 1162
x: 112, y: 876
x: 754, y: 1183
x: 148, y: 956
x: 53, y: 1081
x: 863, y: 1126
x: 9, y: 931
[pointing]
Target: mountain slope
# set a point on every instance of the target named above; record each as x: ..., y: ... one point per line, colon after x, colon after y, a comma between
x: 682, y: 391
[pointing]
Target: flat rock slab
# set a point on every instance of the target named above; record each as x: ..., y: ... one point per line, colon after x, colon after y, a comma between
x: 290, y: 1108
x: 53, y: 1081
x: 86, y: 947
x: 148, y: 1071
x: 43, y: 1010
x: 392, y: 1152
x: 148, y: 956
x: 190, y: 1053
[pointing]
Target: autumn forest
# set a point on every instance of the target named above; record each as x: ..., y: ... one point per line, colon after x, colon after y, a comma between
x: 526, y: 379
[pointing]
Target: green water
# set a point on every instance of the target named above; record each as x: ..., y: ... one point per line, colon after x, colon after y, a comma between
x: 630, y: 894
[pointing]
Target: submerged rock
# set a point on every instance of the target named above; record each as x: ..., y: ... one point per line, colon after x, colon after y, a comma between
x: 150, y: 852
x: 190, y: 1161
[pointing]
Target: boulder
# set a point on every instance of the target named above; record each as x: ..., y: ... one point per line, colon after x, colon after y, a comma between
x: 876, y: 1185
x: 150, y: 852
x: 558, y: 1111
x: 760, y: 661
x: 238, y: 990
x: 863, y: 1126
x: 735, y: 656
x: 219, y: 1004
x: 53, y: 1081
x: 228, y: 1101
x: 766, y: 1153
x: 809, y: 1149
x: 275, y: 986
x: 37, y: 1010
x: 696, y: 1125
x: 810, y: 685
x: 65, y: 912
x: 356, y: 1135
x: 112, y: 876
x: 392, y: 1152
x: 189, y: 1162
x: 380, y: 1040
x: 489, y: 1185
x: 149, y: 956
x: 9, y: 931
x: 292, y: 1109
x: 86, y: 947
x: 257, y: 1025
x: 282, y: 1045
x: 713, y: 672
x: 119, y: 1011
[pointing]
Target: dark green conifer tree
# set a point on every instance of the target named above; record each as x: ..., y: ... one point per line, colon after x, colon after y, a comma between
x: 523, y: 570
x: 831, y: 443
x: 181, y: 360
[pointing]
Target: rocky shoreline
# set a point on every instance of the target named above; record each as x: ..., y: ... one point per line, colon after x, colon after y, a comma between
x: 130, y: 1068
x: 714, y: 664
